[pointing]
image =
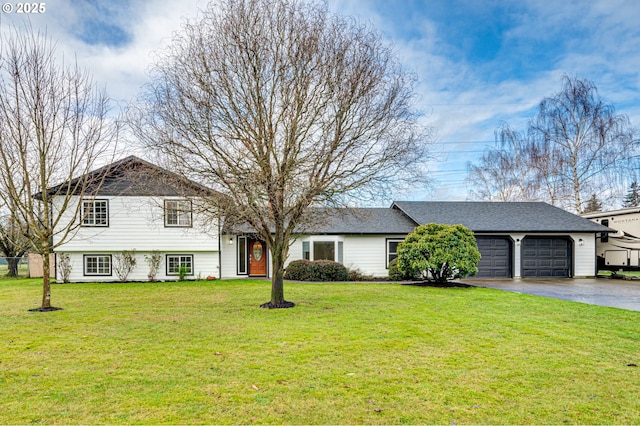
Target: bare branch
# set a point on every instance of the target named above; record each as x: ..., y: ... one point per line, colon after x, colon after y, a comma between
x: 280, y: 106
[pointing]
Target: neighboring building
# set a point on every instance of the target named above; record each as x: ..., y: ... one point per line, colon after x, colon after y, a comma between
x: 620, y: 250
x: 139, y: 208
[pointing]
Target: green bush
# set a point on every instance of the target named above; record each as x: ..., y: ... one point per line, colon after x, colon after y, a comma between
x: 298, y: 270
x: 395, y: 274
x: 319, y: 270
x: 439, y: 252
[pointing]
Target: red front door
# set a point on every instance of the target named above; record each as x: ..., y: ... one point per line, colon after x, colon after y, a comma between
x: 257, y: 259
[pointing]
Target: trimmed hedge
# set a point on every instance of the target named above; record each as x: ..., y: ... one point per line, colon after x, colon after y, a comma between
x: 318, y: 270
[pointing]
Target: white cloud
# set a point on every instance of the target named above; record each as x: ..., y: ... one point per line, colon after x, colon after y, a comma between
x: 464, y: 101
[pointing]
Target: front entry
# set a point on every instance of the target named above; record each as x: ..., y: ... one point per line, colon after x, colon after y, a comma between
x: 257, y: 259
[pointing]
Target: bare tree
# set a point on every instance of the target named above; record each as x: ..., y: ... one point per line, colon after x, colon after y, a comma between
x: 576, y: 146
x: 280, y: 105
x: 592, y: 144
x: 13, y: 243
x: 505, y: 172
x: 53, y: 127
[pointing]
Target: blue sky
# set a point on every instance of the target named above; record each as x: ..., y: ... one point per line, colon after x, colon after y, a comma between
x: 479, y: 62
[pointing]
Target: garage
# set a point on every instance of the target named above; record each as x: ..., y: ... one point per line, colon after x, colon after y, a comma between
x: 496, y: 257
x: 546, y: 257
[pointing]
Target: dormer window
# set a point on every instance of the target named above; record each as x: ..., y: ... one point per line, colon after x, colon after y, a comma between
x: 95, y: 213
x: 177, y: 213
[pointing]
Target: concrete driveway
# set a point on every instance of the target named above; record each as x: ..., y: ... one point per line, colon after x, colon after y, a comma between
x: 595, y: 291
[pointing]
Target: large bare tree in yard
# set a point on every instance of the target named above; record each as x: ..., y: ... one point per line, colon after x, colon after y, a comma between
x: 281, y: 106
x: 53, y: 128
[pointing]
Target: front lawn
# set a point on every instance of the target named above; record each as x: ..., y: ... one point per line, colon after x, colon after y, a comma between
x: 203, y: 352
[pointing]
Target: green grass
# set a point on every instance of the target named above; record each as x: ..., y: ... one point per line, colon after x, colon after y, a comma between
x: 627, y: 274
x: 23, y: 270
x: 203, y: 352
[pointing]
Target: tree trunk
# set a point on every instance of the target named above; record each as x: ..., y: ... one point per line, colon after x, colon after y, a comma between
x: 12, y: 263
x: 46, y: 287
x: 279, y: 255
x: 46, y: 282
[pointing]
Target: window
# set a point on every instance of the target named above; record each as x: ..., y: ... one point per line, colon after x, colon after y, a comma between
x: 604, y: 237
x: 242, y: 256
x: 392, y: 250
x: 175, y: 262
x: 306, y: 250
x: 323, y: 250
x: 99, y: 264
x: 95, y: 213
x: 177, y: 213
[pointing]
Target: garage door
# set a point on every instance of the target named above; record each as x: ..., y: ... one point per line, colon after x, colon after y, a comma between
x: 546, y: 257
x: 496, y: 257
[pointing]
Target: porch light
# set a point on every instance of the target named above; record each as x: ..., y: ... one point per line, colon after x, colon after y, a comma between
x: 230, y: 241
x: 580, y: 242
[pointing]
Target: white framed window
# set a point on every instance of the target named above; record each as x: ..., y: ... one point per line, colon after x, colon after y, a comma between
x: 177, y: 213
x: 97, y: 264
x: 392, y: 249
x: 323, y: 250
x: 95, y: 212
x: 177, y: 261
x: 242, y: 256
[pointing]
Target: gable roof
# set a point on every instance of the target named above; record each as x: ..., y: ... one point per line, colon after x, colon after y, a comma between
x: 133, y: 176
x: 484, y: 216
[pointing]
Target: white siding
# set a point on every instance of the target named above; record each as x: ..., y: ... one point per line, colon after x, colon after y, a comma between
x: 228, y: 256
x: 204, y: 265
x: 584, y: 257
x: 137, y: 223
x: 517, y: 258
x: 369, y: 253
x: 366, y: 253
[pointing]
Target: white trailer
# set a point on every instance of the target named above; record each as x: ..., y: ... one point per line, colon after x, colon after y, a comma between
x: 619, y: 250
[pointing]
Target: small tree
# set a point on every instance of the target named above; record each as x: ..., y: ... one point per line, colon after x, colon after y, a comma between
x: 632, y: 198
x: 154, y: 264
x: 53, y: 128
x: 64, y: 266
x: 123, y: 263
x: 439, y: 252
x: 593, y: 205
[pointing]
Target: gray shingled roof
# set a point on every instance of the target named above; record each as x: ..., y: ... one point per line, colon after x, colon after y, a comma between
x: 335, y: 221
x: 364, y: 221
x: 133, y: 176
x: 482, y: 216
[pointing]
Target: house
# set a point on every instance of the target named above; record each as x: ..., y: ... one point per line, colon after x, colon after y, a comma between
x: 620, y: 250
x: 143, y: 211
x: 141, y: 207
